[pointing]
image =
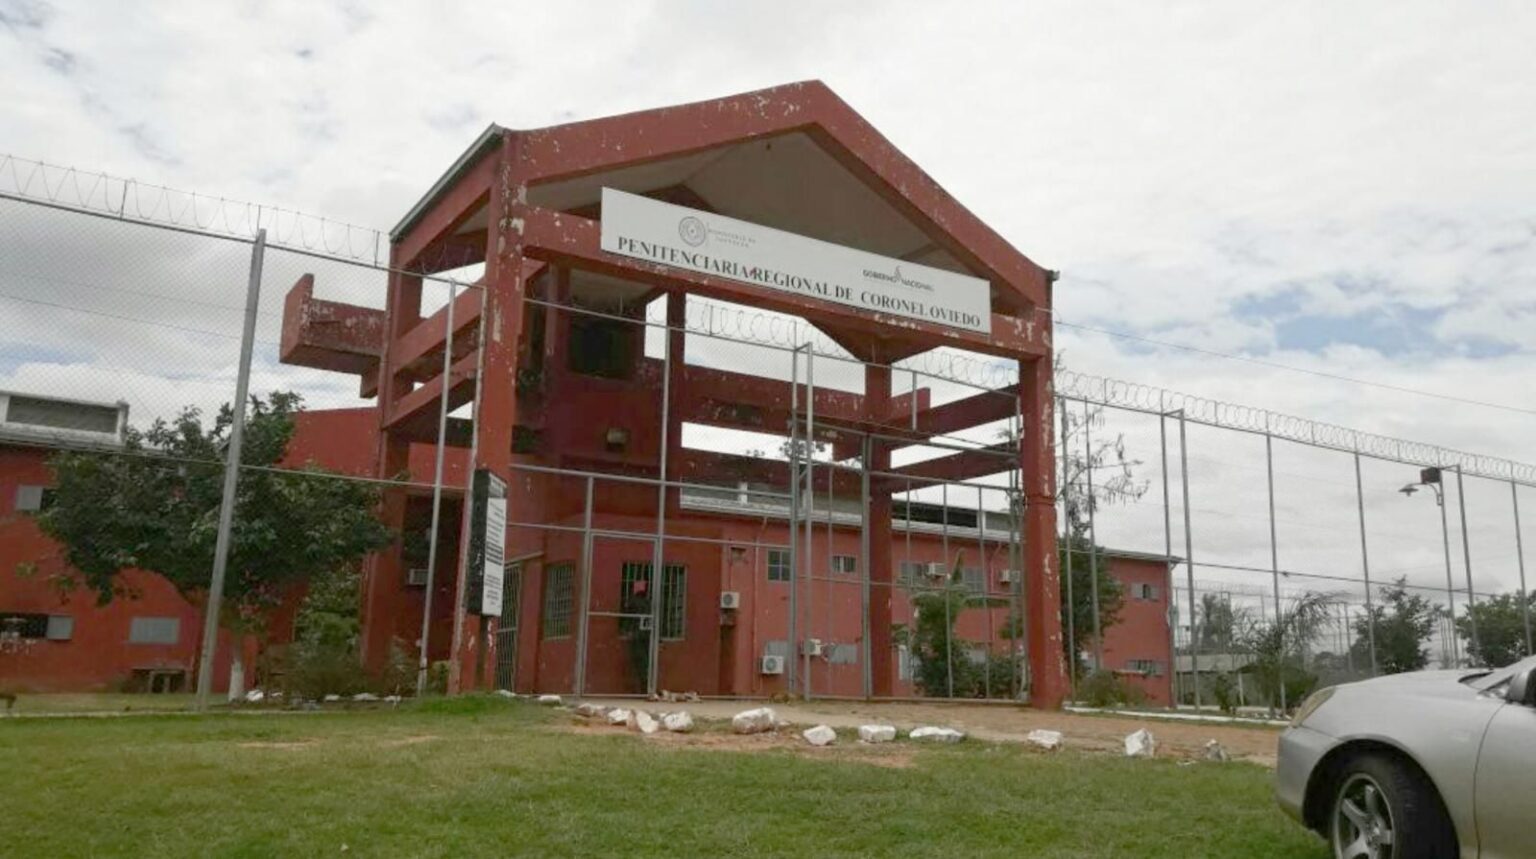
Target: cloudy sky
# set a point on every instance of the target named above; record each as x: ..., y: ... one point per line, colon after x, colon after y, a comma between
x: 1338, y: 188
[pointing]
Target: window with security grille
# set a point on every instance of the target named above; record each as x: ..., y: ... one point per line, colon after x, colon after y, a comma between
x: 973, y: 579
x: 154, y: 630
x: 1149, y: 667
x: 634, y: 597
x: 559, y: 599
x: 778, y: 565
x: 1145, y: 591
x: 913, y: 573
x: 843, y: 654
x: 847, y: 565
x: 24, y: 624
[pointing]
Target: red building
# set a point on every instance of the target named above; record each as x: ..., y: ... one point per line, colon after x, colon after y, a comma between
x: 782, y: 201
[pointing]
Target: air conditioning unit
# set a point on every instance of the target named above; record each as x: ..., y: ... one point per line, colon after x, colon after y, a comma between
x: 936, y: 570
x: 1008, y: 577
x: 730, y: 599
x: 772, y: 665
x: 812, y: 647
x: 416, y: 577
x: 645, y: 623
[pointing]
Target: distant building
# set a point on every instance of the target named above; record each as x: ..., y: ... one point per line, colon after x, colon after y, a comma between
x: 720, y: 637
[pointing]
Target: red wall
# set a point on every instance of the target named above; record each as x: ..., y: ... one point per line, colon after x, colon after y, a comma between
x: 99, y: 655
x: 1142, y: 632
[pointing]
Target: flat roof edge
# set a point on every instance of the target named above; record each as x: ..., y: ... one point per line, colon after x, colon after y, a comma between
x: 483, y: 144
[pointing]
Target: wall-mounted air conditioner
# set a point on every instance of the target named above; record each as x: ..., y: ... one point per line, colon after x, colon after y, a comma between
x: 772, y: 665
x: 811, y: 647
x: 1008, y: 577
x: 730, y: 599
x: 936, y: 570
x: 416, y: 577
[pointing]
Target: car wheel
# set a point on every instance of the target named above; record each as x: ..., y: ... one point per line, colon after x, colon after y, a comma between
x: 1386, y: 809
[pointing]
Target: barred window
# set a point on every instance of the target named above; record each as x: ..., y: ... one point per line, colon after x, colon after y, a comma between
x: 912, y: 572
x: 843, y: 654
x: 1149, y: 667
x: 972, y: 579
x: 559, y: 599
x: 634, y: 596
x: 778, y: 565
x: 847, y: 565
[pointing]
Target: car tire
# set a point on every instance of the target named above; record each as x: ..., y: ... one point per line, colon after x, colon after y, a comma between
x: 1385, y: 808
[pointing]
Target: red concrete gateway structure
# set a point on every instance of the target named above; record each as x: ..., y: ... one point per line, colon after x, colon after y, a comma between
x: 715, y: 340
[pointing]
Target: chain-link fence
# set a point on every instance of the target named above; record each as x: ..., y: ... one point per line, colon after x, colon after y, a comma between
x: 825, y: 526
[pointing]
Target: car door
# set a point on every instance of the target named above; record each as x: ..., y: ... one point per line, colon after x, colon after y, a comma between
x: 1506, y: 784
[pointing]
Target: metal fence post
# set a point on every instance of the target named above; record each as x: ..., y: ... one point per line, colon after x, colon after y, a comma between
x: 1274, y: 555
x: 657, y: 586
x: 1365, y: 566
x: 1173, y: 650
x: 231, y: 477
x: 437, y: 493
x: 1067, y: 552
x: 791, y: 658
x: 1189, y: 561
x: 585, y: 618
x: 1466, y: 552
x: 1525, y: 598
x: 1093, y: 539
x: 810, y: 512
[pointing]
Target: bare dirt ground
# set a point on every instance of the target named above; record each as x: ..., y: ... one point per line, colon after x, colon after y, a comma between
x: 999, y: 723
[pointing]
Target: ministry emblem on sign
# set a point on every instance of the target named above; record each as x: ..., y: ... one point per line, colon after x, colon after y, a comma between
x: 692, y: 231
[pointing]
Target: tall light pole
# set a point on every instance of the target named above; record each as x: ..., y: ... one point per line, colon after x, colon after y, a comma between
x: 1431, y: 477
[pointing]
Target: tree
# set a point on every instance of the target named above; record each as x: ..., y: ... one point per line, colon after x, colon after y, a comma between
x: 155, y: 506
x: 1103, y: 462
x: 1500, y: 629
x: 1219, y: 623
x: 1276, y: 646
x: 1403, y: 623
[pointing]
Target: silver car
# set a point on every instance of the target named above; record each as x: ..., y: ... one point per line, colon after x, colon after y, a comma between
x: 1427, y: 764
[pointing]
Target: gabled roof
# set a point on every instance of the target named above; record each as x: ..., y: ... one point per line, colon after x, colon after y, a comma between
x: 796, y: 157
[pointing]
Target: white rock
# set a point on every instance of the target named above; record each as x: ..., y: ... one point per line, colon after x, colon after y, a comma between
x: 821, y: 735
x: 551, y: 700
x: 1140, y: 744
x: 365, y: 696
x: 876, y: 733
x: 1215, y: 751
x: 618, y: 716
x: 255, y: 696
x: 506, y: 693
x: 938, y: 735
x: 754, y: 721
x: 331, y: 698
x: 645, y: 723
x: 589, y: 710
x: 1048, y: 740
x: 677, y: 723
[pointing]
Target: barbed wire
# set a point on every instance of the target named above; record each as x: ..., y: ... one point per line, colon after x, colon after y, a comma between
x: 99, y: 193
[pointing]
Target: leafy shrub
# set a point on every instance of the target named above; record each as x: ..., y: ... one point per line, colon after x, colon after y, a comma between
x: 1108, y: 689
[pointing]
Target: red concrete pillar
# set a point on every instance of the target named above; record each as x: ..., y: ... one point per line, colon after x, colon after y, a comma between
x: 496, y: 408
x: 384, y: 582
x: 1042, y: 583
x: 877, y: 399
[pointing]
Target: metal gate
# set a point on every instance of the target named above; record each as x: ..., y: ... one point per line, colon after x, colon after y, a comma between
x: 506, y: 630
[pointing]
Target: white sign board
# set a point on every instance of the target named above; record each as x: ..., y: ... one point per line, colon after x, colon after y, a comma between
x: 677, y: 236
x: 495, y: 556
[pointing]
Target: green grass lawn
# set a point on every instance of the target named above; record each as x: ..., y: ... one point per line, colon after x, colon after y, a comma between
x: 492, y: 778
